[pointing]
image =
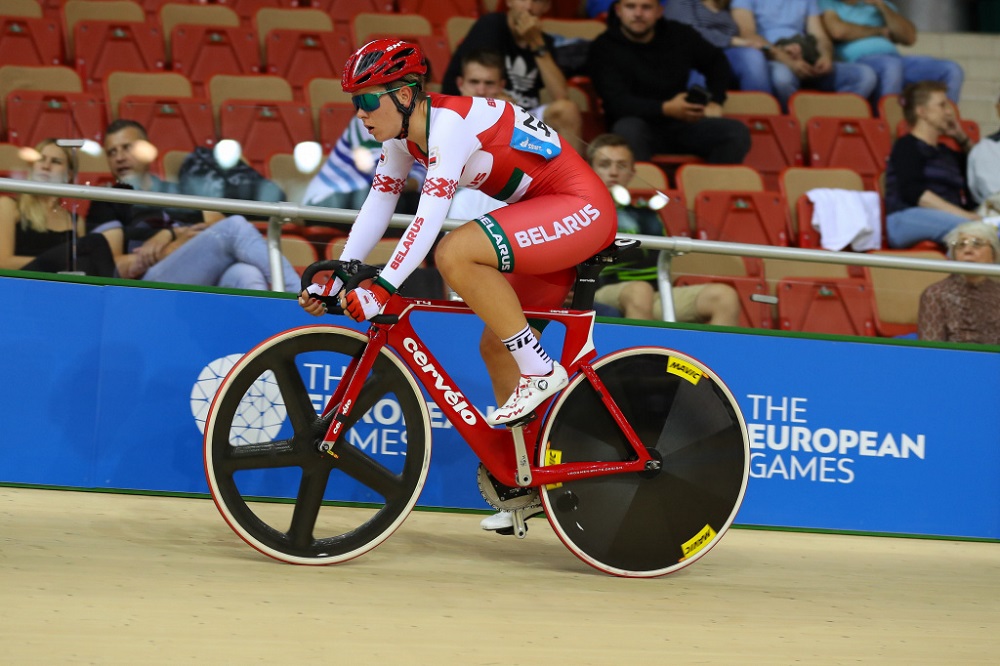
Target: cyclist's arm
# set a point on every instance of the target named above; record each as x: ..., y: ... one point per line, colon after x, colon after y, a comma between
x: 455, y: 144
x: 373, y: 218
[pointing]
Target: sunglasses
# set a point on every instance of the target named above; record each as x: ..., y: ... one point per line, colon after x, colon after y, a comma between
x: 368, y: 102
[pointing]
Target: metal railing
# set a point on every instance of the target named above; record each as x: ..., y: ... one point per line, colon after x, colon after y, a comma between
x: 279, y: 213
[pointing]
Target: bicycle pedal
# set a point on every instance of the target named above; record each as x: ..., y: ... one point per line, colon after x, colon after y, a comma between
x: 521, y: 422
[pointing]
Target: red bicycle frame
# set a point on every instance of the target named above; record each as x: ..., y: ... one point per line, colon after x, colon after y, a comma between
x: 493, y: 446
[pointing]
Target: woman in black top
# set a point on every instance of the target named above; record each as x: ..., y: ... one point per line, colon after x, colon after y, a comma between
x: 29, y: 224
x: 926, y: 194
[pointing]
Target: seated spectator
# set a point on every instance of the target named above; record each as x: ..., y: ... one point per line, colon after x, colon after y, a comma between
x: 630, y: 285
x: 867, y: 31
x: 790, y: 49
x: 964, y: 307
x: 482, y: 76
x: 129, y: 156
x: 33, y: 225
x: 984, y: 172
x: 713, y: 21
x: 154, y: 233
x: 649, y: 105
x: 529, y: 65
x: 227, y: 253
x: 926, y: 195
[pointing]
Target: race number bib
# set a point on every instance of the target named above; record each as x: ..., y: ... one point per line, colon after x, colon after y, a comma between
x: 533, y: 136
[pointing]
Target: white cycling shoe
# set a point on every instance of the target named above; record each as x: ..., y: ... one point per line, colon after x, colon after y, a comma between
x: 504, y: 520
x: 531, y: 391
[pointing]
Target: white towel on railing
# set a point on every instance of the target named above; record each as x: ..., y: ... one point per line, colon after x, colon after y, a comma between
x: 847, y: 217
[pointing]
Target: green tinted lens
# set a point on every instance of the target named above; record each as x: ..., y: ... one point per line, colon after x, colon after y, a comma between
x: 367, y: 102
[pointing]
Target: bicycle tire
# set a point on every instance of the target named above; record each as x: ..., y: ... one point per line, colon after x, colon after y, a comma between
x: 269, y: 480
x: 651, y: 523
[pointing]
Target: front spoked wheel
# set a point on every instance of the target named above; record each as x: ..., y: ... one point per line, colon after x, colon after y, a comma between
x: 656, y: 522
x: 265, y: 471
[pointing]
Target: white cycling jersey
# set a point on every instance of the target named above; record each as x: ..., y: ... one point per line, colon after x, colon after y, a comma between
x: 503, y: 151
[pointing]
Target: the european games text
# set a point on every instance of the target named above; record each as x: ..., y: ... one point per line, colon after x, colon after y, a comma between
x: 784, y: 445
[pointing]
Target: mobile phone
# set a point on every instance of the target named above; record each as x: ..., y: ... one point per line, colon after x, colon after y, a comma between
x: 697, y: 95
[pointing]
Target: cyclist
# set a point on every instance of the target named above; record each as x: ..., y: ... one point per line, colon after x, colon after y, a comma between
x: 520, y: 256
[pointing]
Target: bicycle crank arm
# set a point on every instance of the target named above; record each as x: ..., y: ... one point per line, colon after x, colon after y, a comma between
x: 520, y: 525
x: 523, y: 475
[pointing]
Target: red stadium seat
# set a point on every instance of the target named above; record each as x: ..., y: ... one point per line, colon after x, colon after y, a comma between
x: 742, y: 217
x: 860, y: 144
x: 265, y: 127
x: 202, y: 51
x: 30, y: 41
x: 172, y: 123
x: 775, y: 144
x: 300, y: 56
x: 343, y: 11
x: 333, y: 119
x: 673, y: 215
x: 439, y: 11
x: 33, y: 115
x: 103, y: 47
x: 836, y: 306
x: 299, y: 251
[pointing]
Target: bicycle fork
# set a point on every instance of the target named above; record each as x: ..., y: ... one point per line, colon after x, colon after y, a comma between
x: 344, y: 398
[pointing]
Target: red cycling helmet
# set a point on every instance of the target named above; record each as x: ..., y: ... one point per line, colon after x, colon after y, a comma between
x: 381, y: 61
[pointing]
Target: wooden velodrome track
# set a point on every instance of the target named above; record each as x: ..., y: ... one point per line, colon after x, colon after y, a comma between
x: 93, y: 578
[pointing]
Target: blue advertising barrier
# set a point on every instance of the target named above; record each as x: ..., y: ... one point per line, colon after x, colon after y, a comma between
x: 108, y: 387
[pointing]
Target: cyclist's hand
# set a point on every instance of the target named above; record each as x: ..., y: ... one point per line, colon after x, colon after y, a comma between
x: 314, y: 299
x: 364, y: 303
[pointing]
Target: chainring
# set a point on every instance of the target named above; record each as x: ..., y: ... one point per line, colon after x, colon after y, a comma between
x: 505, y: 498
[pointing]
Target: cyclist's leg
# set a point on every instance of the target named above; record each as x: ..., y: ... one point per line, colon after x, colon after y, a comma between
x: 473, y: 259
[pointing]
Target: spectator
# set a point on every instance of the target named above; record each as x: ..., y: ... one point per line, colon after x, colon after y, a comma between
x: 867, y: 31
x: 926, y: 195
x: 529, y: 65
x: 482, y: 76
x: 713, y: 21
x: 964, y: 308
x: 984, y: 171
x: 33, y: 225
x: 129, y: 155
x: 790, y: 49
x: 227, y: 253
x: 630, y: 285
x: 646, y: 104
x: 233, y: 256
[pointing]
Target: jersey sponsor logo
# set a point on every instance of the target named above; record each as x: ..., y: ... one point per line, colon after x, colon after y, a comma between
x: 407, y: 242
x: 505, y: 256
x: 440, y: 187
x: 568, y: 226
x: 453, y: 398
x: 387, y: 184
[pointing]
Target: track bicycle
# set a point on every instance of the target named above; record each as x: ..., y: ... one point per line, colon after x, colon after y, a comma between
x: 640, y: 463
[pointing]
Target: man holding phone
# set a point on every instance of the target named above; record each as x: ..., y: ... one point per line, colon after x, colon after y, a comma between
x: 641, y: 66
